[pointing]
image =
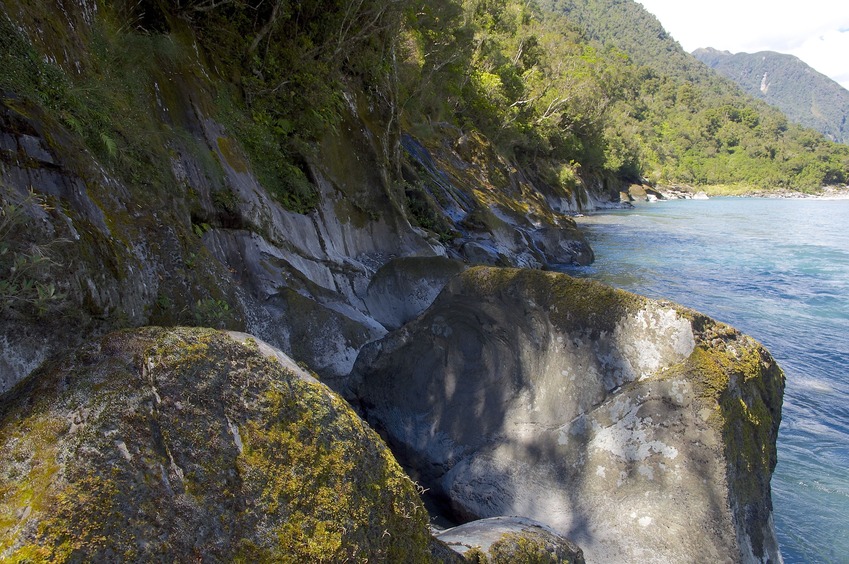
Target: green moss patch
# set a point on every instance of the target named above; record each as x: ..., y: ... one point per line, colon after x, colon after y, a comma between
x: 744, y: 386
x: 574, y: 305
x: 167, y: 444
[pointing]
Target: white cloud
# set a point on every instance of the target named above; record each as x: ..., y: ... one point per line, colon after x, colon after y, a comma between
x: 816, y: 31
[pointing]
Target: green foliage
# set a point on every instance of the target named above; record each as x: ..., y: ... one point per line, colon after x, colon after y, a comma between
x: 783, y: 81
x: 599, y: 83
x: 273, y: 157
x: 424, y: 212
x: 567, y: 177
x: 22, y: 71
x: 594, y: 86
x: 676, y: 122
x: 25, y: 264
x: 210, y: 312
x: 524, y: 78
x: 290, y: 61
x: 109, y: 103
x: 201, y: 229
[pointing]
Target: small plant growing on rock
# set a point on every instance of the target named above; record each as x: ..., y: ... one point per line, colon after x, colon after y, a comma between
x: 210, y: 312
x: 24, y: 264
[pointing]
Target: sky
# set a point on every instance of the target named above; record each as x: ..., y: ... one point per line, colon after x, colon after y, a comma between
x: 816, y: 31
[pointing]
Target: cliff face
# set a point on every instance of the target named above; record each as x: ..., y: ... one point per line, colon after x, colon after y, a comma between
x: 156, y: 215
x: 643, y: 431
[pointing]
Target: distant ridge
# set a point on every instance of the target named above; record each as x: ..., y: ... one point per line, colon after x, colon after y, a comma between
x: 806, y: 96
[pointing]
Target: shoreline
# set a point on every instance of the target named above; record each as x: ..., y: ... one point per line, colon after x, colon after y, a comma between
x: 681, y: 192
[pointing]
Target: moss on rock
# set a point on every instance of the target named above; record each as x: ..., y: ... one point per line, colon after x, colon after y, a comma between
x: 563, y: 400
x: 179, y: 444
x: 511, y: 540
x: 573, y: 304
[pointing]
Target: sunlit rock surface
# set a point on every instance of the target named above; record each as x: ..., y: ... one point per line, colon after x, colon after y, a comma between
x: 641, y: 430
x: 511, y: 539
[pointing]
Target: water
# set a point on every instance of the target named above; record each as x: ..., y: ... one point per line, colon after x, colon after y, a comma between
x: 779, y: 271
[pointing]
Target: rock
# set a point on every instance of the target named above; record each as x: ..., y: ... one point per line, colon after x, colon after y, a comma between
x: 186, y: 444
x: 325, y: 338
x: 482, y: 253
x: 639, y: 429
x: 404, y: 287
x: 558, y: 248
x: 511, y: 540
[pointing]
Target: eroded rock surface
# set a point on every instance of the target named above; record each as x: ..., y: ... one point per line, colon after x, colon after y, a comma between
x: 185, y: 444
x: 641, y: 430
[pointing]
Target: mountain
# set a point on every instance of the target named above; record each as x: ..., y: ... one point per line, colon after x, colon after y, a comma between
x: 806, y: 96
x: 690, y: 125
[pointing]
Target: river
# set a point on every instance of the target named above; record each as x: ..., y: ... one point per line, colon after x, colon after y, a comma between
x: 777, y: 269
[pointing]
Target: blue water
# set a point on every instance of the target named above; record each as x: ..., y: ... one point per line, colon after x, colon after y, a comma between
x: 779, y: 271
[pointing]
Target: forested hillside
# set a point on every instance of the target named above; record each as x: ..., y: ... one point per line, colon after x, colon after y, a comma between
x: 806, y: 96
x: 690, y: 125
x: 566, y: 89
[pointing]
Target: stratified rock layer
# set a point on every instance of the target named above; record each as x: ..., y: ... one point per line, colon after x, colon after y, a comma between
x: 639, y: 429
x: 193, y: 444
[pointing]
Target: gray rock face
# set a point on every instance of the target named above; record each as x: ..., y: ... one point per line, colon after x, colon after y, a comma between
x: 303, y: 282
x: 642, y: 431
x: 405, y: 287
x: 511, y: 539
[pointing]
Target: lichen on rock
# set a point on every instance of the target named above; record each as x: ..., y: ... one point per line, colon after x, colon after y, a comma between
x: 159, y: 444
x: 637, y: 428
x: 511, y: 540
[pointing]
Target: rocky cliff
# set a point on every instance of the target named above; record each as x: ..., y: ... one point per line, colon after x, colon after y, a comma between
x: 163, y: 219
x: 134, y: 193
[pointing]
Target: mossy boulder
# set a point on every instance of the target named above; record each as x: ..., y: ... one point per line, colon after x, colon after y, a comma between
x: 637, y: 428
x: 511, y: 540
x: 195, y: 444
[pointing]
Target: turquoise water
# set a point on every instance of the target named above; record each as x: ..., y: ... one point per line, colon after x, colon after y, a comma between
x: 779, y: 271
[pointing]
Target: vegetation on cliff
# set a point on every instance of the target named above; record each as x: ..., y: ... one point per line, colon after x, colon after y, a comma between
x: 563, y: 89
x: 566, y: 90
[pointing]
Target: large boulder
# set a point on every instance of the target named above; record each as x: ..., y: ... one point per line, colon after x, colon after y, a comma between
x: 193, y: 444
x: 639, y: 429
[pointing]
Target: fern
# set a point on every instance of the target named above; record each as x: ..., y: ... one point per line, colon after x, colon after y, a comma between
x: 109, y: 144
